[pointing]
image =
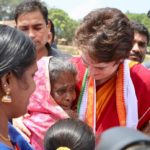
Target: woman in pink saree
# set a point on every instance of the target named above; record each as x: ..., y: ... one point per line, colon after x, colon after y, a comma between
x: 52, y: 99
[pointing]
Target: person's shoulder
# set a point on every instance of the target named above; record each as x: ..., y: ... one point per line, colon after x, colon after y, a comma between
x: 18, y: 139
x: 58, y: 53
x: 139, y: 70
x: 76, y: 59
x: 78, y: 63
x: 140, y: 76
x: 54, y: 52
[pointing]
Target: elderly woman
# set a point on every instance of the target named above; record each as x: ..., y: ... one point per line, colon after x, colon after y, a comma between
x: 17, y: 68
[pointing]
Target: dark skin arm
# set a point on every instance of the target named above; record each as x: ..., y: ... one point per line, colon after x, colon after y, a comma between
x: 146, y: 128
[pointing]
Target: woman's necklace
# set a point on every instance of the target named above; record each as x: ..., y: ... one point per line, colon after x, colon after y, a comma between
x: 6, y: 139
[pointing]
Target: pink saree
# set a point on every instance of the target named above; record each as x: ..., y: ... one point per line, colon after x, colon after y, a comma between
x: 43, y: 111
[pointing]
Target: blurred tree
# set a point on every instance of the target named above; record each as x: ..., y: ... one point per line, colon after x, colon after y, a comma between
x: 6, y: 8
x: 142, y: 18
x: 64, y: 25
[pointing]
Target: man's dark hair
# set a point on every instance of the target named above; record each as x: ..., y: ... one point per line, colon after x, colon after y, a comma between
x: 140, y: 28
x: 30, y: 6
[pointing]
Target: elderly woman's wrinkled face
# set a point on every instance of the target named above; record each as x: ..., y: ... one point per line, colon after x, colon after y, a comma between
x: 21, y: 90
x: 63, y: 90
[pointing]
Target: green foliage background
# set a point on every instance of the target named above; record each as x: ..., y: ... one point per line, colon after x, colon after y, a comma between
x: 142, y: 18
x: 7, y: 8
x: 64, y: 25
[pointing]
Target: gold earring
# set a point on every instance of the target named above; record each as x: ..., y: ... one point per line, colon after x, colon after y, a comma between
x: 7, y: 98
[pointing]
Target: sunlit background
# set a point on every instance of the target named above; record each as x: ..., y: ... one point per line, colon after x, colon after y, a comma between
x: 79, y: 8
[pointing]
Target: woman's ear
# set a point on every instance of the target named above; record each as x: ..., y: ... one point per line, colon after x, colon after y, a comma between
x: 5, y: 84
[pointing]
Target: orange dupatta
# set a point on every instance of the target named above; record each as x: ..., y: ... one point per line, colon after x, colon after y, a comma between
x: 103, y: 95
x: 90, y: 112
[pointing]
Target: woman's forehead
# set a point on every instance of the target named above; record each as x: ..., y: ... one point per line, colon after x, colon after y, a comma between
x: 89, y: 61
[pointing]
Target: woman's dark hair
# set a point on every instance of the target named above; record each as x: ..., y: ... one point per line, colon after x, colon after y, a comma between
x: 17, y: 52
x: 106, y: 34
x: 71, y: 133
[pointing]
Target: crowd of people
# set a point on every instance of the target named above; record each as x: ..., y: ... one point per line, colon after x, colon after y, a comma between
x: 51, y: 100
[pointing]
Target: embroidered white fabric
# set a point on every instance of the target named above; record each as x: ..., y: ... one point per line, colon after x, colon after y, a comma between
x: 130, y: 98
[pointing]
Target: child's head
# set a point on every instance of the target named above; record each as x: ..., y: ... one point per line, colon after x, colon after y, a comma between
x: 63, y: 79
x: 72, y: 134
